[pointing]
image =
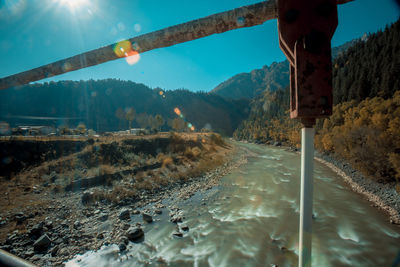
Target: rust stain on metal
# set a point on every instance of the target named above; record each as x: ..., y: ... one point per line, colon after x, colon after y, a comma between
x: 305, y: 33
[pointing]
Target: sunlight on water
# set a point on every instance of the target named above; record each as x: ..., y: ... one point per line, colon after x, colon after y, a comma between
x: 253, y: 220
x: 347, y: 232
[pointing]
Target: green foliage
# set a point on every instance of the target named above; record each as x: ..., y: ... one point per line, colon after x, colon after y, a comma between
x: 178, y: 124
x: 159, y: 121
x: 130, y: 115
x: 81, y: 128
x: 369, y: 68
x: 269, y: 120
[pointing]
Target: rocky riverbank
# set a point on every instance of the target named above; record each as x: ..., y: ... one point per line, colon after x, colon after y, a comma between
x: 382, y: 195
x: 66, y: 224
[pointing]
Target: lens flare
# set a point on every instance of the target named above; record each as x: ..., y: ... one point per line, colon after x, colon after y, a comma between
x: 121, y: 26
x: 189, y: 125
x: 137, y: 27
x: 177, y: 111
x: 192, y: 128
x: 126, y: 49
x: 122, y: 47
x: 132, y: 57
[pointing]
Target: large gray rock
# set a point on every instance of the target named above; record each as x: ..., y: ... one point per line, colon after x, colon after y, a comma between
x: 124, y: 215
x: 147, y: 218
x: 36, y: 230
x: 87, y: 197
x: 184, y: 227
x: 177, y: 234
x: 42, y: 244
x: 158, y: 211
x: 176, y: 219
x: 20, y: 217
x: 134, y: 233
x: 103, y: 217
x: 122, y: 247
x: 77, y: 224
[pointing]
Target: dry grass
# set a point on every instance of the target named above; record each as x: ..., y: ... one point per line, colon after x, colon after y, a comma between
x: 218, y: 140
x: 117, y: 194
x: 189, y: 155
x: 192, y: 153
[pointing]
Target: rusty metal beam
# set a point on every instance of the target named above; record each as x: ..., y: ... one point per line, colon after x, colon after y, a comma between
x: 246, y: 16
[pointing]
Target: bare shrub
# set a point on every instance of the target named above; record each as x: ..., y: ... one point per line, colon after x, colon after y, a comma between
x: 217, y: 139
x: 196, y: 151
x: 167, y: 161
x: 105, y: 169
x: 145, y: 184
x: 192, y: 153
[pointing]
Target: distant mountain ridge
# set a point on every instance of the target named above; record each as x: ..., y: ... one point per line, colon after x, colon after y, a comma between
x: 102, y: 105
x: 276, y: 76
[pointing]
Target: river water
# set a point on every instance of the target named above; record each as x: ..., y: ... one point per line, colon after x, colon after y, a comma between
x: 252, y: 219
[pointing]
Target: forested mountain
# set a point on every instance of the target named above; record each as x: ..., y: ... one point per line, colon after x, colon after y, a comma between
x: 104, y: 105
x: 271, y: 78
x: 370, y: 68
x: 249, y: 85
x: 365, y: 126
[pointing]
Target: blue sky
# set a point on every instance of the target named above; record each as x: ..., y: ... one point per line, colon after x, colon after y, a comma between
x: 37, y: 32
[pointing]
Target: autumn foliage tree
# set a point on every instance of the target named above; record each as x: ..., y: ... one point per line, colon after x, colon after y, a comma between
x: 367, y: 135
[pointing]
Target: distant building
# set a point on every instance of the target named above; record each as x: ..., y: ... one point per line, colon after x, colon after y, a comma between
x: 138, y: 131
x: 33, y: 130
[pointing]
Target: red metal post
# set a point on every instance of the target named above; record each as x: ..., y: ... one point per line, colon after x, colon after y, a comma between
x: 305, y: 32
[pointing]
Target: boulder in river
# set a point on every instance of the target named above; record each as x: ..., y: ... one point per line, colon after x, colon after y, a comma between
x: 176, y: 219
x: 134, y: 233
x: 158, y: 211
x: 276, y: 143
x: 147, y: 218
x: 124, y: 214
x: 122, y: 247
x: 184, y: 227
x: 177, y: 234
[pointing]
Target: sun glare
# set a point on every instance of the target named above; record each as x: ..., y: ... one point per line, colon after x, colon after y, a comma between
x: 74, y: 4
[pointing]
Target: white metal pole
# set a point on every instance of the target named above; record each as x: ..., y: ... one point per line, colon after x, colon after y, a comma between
x: 306, y: 196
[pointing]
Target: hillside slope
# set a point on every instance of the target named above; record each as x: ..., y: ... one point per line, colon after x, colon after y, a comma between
x: 271, y: 78
x: 102, y: 105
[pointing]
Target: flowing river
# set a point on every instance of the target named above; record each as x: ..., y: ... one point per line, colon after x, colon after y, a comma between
x: 252, y: 219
